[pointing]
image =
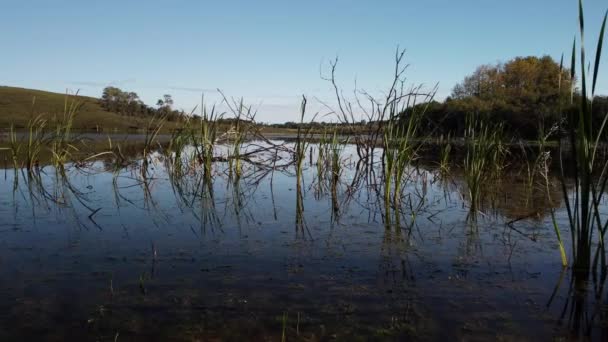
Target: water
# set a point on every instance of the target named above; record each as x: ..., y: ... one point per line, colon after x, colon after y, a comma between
x: 102, y: 255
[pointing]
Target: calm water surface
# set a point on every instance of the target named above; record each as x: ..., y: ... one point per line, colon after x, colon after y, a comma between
x: 106, y: 255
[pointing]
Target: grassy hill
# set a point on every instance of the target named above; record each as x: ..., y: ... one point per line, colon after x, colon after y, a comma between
x: 18, y: 105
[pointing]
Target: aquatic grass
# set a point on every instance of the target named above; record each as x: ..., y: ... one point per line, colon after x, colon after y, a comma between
x: 120, y: 160
x: 323, y: 151
x: 336, y: 147
x: 35, y: 141
x: 484, y: 157
x: 545, y: 160
x: 62, y: 144
x: 590, y: 174
x: 444, y: 159
x: 234, y: 158
x: 401, y: 142
x: 538, y: 166
x: 15, y: 147
x: 180, y: 138
x: 244, y: 119
x: 204, y: 144
x: 153, y: 127
x: 40, y: 137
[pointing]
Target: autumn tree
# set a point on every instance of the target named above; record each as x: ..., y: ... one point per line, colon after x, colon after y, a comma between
x: 525, y: 92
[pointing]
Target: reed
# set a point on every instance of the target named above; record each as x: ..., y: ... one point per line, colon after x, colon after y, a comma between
x: 62, y: 144
x: 244, y: 119
x: 336, y: 148
x: 153, y: 128
x: 180, y: 139
x: 484, y: 157
x: 401, y: 142
x: 586, y: 221
x: 35, y: 141
x: 15, y: 147
x: 204, y: 144
x: 444, y: 158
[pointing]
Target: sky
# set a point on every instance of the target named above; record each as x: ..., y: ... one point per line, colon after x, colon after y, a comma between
x: 271, y: 53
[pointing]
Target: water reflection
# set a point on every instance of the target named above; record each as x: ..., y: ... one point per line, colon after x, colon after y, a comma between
x: 181, y: 249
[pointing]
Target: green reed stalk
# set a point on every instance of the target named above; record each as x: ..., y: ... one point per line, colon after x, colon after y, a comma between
x: 444, y: 161
x: 590, y: 174
x: 62, y: 144
x: 336, y: 148
x: 15, y: 147
x: 241, y: 129
x: 484, y: 158
x: 153, y: 128
x: 400, y: 149
x: 180, y: 138
x: 322, y: 157
x: 35, y: 141
x: 207, y: 138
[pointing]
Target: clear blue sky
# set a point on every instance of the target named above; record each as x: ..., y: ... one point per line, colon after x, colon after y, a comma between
x: 270, y: 52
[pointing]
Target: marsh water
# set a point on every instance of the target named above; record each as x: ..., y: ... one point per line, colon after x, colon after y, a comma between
x: 108, y: 253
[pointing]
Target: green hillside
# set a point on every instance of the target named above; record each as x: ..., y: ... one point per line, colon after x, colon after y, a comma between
x: 18, y: 105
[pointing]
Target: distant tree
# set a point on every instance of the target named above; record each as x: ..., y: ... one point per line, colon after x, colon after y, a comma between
x: 115, y: 100
x: 128, y: 103
x: 168, y: 100
x: 111, y: 99
x: 524, y: 92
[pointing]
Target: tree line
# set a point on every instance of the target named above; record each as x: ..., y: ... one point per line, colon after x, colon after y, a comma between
x: 526, y: 94
x: 128, y: 103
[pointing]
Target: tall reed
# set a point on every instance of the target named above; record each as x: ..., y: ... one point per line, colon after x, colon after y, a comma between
x: 444, y: 159
x: 322, y: 155
x: 590, y: 174
x: 244, y: 118
x: 153, y: 128
x: 15, y: 147
x: 62, y: 144
x: 205, y: 142
x: 35, y: 141
x: 400, y: 142
x: 336, y: 148
x: 484, y: 156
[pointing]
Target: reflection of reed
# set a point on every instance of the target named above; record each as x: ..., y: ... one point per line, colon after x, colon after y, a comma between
x: 582, y: 311
x: 394, y: 262
x: 39, y: 190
